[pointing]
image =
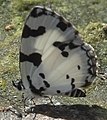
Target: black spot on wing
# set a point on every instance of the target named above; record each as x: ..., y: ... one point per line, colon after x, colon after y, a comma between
x: 65, y: 54
x: 72, y: 83
x: 60, y: 45
x: 63, y: 25
x: 72, y: 45
x: 42, y: 89
x: 27, y: 31
x: 36, y: 12
x: 73, y: 86
x: 35, y: 58
x: 40, y: 31
x: 42, y: 75
x: 58, y: 91
x: 78, y: 67
x: 73, y: 80
x: 57, y: 43
x: 23, y: 57
x: 46, y: 84
x: 67, y: 76
x: 33, y: 89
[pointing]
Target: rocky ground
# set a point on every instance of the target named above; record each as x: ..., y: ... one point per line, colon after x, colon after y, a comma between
x: 55, y: 112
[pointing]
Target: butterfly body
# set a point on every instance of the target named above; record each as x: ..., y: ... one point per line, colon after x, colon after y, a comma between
x: 53, y: 58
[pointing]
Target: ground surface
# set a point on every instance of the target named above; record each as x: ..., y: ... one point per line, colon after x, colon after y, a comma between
x: 58, y: 112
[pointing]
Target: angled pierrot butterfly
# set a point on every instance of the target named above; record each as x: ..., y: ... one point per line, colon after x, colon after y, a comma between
x: 53, y: 58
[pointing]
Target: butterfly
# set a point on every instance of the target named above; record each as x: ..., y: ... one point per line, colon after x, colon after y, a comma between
x: 54, y: 60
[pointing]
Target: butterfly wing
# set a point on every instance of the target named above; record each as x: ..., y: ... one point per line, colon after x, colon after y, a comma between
x: 53, y: 58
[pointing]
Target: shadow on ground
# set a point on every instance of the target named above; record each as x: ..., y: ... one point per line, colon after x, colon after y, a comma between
x: 70, y: 112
